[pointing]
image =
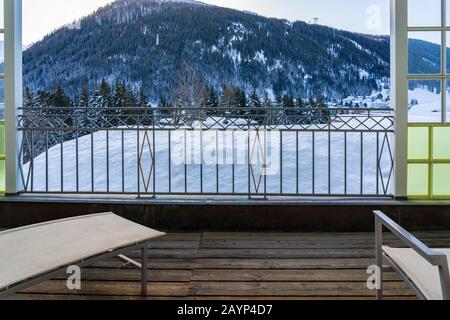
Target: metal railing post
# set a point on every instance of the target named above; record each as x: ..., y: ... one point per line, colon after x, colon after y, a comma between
x: 379, y: 257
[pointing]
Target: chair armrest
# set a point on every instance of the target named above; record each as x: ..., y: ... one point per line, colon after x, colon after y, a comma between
x: 435, y: 258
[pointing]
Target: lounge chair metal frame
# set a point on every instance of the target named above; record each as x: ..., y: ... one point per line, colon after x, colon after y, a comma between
x: 143, y: 246
x: 437, y: 259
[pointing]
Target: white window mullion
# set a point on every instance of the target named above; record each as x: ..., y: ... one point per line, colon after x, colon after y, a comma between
x: 399, y: 91
x: 13, y: 92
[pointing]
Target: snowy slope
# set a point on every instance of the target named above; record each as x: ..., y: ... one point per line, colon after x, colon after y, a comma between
x: 429, y: 106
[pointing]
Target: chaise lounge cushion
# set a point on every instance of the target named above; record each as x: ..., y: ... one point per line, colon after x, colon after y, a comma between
x: 423, y: 274
x: 38, y: 249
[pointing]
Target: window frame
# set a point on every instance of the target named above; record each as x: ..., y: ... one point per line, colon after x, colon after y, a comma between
x: 443, y: 77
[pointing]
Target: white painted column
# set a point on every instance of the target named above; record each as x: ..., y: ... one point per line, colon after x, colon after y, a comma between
x: 13, y: 92
x: 399, y: 91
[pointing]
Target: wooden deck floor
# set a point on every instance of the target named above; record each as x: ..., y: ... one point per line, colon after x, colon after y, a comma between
x: 242, y: 266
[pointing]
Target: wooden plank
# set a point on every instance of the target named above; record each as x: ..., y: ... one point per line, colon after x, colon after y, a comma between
x: 261, y: 275
x: 113, y: 288
x: 281, y: 289
x: 79, y: 297
x: 165, y: 254
x: 181, y: 237
x: 45, y: 297
x: 169, y: 244
x: 95, y: 274
x: 309, y: 244
x: 189, y: 264
x: 38, y: 297
x: 356, y: 263
x: 171, y: 264
x: 312, y: 236
x: 305, y: 298
x: 286, y: 253
x: 256, y: 253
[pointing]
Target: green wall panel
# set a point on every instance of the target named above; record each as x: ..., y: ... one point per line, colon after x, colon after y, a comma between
x: 2, y: 139
x: 441, y: 143
x: 2, y: 158
x: 418, y: 143
x: 441, y: 180
x: 429, y: 162
x: 2, y: 176
x: 418, y: 180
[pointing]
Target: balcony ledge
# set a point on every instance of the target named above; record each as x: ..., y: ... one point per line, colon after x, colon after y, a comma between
x: 189, y: 214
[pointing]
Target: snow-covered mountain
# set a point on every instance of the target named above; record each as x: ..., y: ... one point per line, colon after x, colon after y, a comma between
x: 146, y: 43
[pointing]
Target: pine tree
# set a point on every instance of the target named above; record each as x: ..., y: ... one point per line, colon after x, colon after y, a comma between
x: 256, y: 109
x: 28, y: 98
x: 299, y: 111
x: 60, y: 100
x: 228, y: 97
x: 62, y: 105
x: 84, y: 102
x: 42, y: 98
x: 163, y: 107
x: 269, y: 110
x: 84, y: 97
x: 254, y: 101
x: 212, y: 103
x: 240, y: 102
x: 288, y: 106
x: 105, y: 93
x: 202, y: 103
x: 143, y: 99
x: 322, y: 113
x: 130, y: 98
x: 101, y: 100
x: 119, y: 99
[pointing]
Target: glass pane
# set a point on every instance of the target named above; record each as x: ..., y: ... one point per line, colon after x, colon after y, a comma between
x: 448, y: 12
x: 425, y: 101
x: 441, y: 143
x: 448, y: 50
x: 424, y: 52
x: 418, y: 180
x: 2, y: 53
x: 2, y: 14
x: 2, y: 38
x: 424, y: 13
x: 441, y: 178
x: 418, y: 148
x: 448, y: 101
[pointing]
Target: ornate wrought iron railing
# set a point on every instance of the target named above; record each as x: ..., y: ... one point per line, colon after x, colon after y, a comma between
x: 259, y: 153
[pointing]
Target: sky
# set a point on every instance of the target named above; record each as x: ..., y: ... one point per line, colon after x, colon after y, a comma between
x: 40, y: 17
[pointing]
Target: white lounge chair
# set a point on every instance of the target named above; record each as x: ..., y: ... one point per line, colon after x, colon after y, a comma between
x: 425, y: 270
x: 37, y: 253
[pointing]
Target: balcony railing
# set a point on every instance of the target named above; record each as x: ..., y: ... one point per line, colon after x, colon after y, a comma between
x: 259, y: 153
